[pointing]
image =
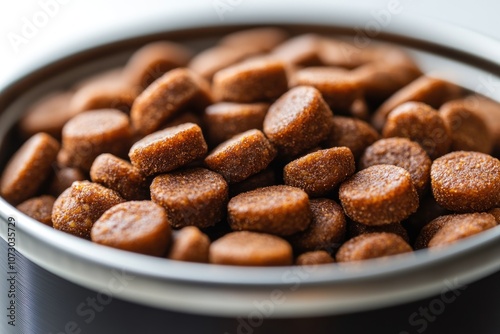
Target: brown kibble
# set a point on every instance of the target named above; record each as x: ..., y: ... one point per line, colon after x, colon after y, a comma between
x: 164, y: 98
x: 79, y: 207
x: 63, y: 179
x: 260, y: 39
x: 262, y: 179
x: 427, y: 211
x: 320, y: 172
x: 49, y: 114
x: 152, y: 61
x: 92, y: 133
x: 298, y: 121
x: 168, y: 149
x: 245, y: 248
x: 340, y: 53
x: 193, y: 197
x: 359, y: 109
x: 377, y: 195
x: 28, y: 168
x: 429, y: 230
x: 431, y: 91
x: 466, y: 181
x: 468, y: 130
x: 422, y: 124
x: 280, y: 210
x: 327, y: 229
x: 372, y: 245
x: 120, y: 176
x: 189, y: 244
x: 495, y: 212
x: 355, y: 134
x: 403, y: 153
x: 241, y: 156
x: 301, y: 50
x: 462, y: 226
x: 185, y: 117
x: 226, y: 119
x: 354, y: 229
x: 314, y: 258
x: 38, y: 208
x: 254, y: 80
x: 135, y: 226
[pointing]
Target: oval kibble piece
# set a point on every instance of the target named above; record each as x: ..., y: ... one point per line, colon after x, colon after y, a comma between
x: 245, y: 248
x: 280, y: 210
x: 63, y: 179
x: 429, y: 230
x: 168, y: 149
x: 314, y: 258
x: 468, y: 130
x: 189, y: 244
x: 253, y: 80
x: 226, y: 119
x: 327, y: 229
x: 38, y: 208
x: 341, y: 53
x: 194, y: 197
x: 301, y: 50
x: 422, y: 124
x: 261, y: 39
x: 460, y: 227
x: 94, y: 132
x: 355, y: 134
x: 354, y: 229
x: 377, y: 195
x: 372, y: 245
x: 135, y: 226
x: 79, y: 207
x: 466, y: 181
x: 28, y: 168
x: 298, y: 120
x: 167, y: 96
x: 400, y: 152
x: 120, y: 176
x: 320, y: 172
x: 241, y: 156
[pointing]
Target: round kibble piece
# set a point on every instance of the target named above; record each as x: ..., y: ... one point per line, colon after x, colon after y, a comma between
x: 225, y: 119
x: 378, y: 195
x: 495, y: 213
x: 280, y: 210
x: 119, y: 175
x: 403, y: 153
x: 136, y: 226
x: 194, y: 197
x: 189, y: 244
x: 422, y: 124
x: 241, y: 156
x: 298, y: 120
x: 91, y: 133
x: 254, y: 80
x: 38, y: 208
x: 168, y: 149
x: 28, y: 168
x: 355, y: 134
x: 372, y: 245
x: 341, y: 53
x: 261, y: 39
x: 63, y: 179
x: 299, y: 51
x: 462, y: 226
x: 354, y: 229
x: 429, y: 230
x: 327, y: 228
x: 466, y: 181
x: 320, y: 172
x: 314, y: 258
x: 79, y: 207
x: 245, y: 248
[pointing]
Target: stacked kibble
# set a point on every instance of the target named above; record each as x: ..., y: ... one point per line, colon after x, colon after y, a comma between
x: 262, y: 150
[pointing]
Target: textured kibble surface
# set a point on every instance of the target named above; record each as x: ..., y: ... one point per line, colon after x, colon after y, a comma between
x: 466, y: 181
x: 245, y: 248
x: 354, y: 229
x: 430, y: 229
x: 28, y: 168
x: 281, y: 210
x: 241, y: 156
x: 299, y: 51
x: 38, y: 208
x: 320, y: 172
x: 135, y: 226
x: 63, y: 179
x: 168, y: 149
x: 189, y: 244
x: 495, y: 212
x: 314, y: 258
x: 378, y: 195
x: 194, y: 197
x: 403, y: 153
x: 327, y: 229
x: 79, y: 207
x: 372, y: 245
x: 298, y: 120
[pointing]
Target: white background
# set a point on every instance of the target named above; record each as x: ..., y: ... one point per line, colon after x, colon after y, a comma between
x: 73, y: 23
